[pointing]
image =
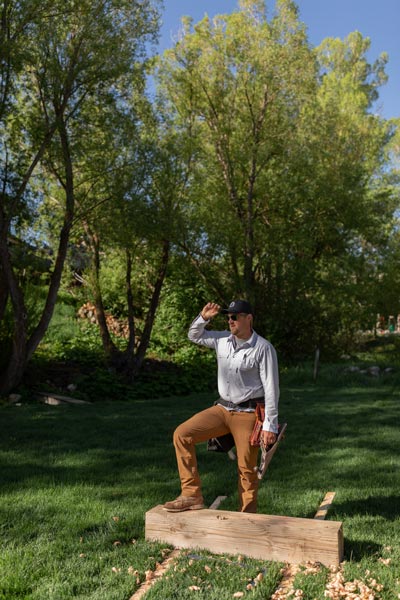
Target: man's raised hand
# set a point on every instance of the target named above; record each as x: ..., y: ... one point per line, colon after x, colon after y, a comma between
x: 210, y: 310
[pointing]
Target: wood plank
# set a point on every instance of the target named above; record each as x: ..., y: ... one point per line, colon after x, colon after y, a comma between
x: 217, y: 502
x: 57, y: 399
x: 325, y: 505
x: 268, y: 537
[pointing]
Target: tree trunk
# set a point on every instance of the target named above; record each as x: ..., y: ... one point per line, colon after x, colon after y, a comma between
x: 55, y: 280
x: 13, y: 371
x: 3, y: 293
x: 111, y: 351
x: 145, y: 339
x: 131, y: 314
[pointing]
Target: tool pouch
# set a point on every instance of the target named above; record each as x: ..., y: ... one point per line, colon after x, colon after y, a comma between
x: 255, y: 438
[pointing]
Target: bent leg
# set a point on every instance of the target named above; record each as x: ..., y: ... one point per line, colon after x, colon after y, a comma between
x: 199, y: 428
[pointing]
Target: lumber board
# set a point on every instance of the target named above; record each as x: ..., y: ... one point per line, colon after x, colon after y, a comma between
x: 266, y: 537
x: 325, y: 505
x: 57, y: 399
x: 217, y: 502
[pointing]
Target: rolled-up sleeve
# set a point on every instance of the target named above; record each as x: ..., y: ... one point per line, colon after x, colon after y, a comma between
x: 269, y: 375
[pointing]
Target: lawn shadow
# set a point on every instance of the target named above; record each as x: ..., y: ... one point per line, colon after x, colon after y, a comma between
x: 387, y: 507
x: 125, y: 445
x: 356, y: 550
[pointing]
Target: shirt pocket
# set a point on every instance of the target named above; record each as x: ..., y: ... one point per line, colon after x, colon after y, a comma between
x: 247, y: 363
x: 248, y: 372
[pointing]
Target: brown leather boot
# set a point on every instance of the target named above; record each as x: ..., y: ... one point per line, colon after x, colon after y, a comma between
x: 182, y: 503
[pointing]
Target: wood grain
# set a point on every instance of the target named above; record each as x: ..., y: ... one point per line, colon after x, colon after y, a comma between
x: 268, y: 537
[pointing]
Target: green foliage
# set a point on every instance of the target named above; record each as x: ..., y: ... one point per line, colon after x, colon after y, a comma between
x: 75, y: 64
x: 184, y: 295
x: 112, y: 281
x: 72, y: 353
x: 259, y: 162
x: 179, y: 378
x: 70, y: 340
x: 289, y: 189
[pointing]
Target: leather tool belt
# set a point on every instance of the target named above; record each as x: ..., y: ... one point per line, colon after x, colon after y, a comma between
x: 252, y: 403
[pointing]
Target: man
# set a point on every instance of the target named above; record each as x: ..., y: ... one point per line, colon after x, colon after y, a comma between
x: 247, y: 373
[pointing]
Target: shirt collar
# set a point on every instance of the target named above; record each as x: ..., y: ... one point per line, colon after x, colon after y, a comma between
x: 251, y: 342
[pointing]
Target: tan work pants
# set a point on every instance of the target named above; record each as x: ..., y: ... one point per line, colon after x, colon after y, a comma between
x: 213, y: 422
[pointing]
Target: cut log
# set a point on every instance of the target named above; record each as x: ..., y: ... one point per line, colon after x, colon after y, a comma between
x: 266, y: 537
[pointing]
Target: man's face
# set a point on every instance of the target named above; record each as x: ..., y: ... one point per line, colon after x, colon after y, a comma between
x: 240, y: 325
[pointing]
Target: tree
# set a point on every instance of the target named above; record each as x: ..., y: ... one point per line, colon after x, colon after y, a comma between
x: 139, y: 227
x: 71, y: 54
x: 285, y: 185
x: 385, y: 258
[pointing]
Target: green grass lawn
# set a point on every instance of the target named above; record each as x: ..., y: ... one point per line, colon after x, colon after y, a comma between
x: 76, y: 482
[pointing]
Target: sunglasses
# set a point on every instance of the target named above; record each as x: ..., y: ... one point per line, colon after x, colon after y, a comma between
x: 233, y: 317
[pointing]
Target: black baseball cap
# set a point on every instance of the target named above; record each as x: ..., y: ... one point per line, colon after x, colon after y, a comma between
x: 238, y: 306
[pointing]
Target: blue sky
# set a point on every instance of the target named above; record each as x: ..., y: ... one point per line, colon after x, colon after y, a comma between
x: 377, y: 19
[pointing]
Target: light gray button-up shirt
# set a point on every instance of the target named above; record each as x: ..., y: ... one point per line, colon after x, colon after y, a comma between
x: 244, y: 372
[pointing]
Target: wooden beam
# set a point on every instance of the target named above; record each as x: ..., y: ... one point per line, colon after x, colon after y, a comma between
x: 267, y: 537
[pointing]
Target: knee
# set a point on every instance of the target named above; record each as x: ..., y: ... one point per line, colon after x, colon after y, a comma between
x: 176, y: 435
x: 181, y: 435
